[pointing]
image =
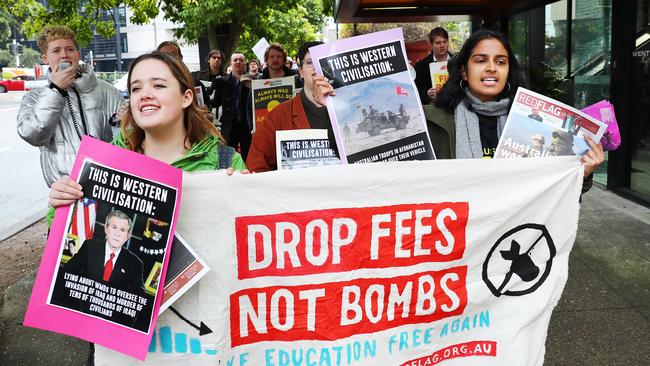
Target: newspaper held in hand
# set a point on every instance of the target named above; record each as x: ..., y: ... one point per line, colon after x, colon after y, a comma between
x: 539, y: 126
x: 376, y: 114
x: 184, y: 270
x: 268, y: 94
x: 439, y: 74
x: 297, y: 149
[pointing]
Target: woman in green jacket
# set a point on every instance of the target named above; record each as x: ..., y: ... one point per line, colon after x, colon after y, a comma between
x: 471, y: 109
x: 163, y: 122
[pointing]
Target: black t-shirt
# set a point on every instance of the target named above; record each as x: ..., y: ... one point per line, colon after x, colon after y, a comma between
x: 318, y: 118
x: 489, y: 136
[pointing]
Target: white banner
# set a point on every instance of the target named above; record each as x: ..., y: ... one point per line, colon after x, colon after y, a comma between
x: 458, y: 262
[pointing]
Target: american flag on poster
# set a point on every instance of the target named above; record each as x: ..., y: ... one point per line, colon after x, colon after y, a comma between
x: 83, y: 219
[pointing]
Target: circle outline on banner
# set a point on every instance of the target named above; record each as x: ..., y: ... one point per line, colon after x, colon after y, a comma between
x: 549, y: 263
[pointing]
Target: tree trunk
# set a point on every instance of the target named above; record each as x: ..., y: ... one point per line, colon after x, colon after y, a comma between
x: 212, y: 37
x: 234, y: 31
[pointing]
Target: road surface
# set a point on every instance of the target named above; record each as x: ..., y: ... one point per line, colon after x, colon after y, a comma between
x: 23, y: 193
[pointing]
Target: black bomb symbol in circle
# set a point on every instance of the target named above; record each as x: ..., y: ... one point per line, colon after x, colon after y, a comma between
x: 520, y: 261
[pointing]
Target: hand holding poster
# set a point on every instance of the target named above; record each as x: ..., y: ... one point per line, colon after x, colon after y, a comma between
x: 376, y: 99
x: 268, y: 94
x: 95, y: 289
x: 382, y: 276
x: 439, y: 74
x: 538, y: 126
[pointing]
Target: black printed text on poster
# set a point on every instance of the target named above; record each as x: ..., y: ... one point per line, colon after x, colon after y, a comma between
x: 360, y: 65
x: 128, y: 192
x: 409, y: 148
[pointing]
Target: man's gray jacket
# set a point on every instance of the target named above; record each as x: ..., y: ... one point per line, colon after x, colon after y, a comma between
x: 44, y: 120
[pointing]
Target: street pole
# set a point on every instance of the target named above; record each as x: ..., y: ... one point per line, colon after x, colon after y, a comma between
x: 155, y: 34
x: 118, y: 38
x: 15, y: 49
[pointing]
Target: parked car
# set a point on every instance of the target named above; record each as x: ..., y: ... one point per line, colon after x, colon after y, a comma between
x: 18, y: 84
x: 25, y: 77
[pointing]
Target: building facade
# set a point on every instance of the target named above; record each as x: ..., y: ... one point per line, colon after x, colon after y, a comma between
x: 132, y: 40
x: 577, y: 51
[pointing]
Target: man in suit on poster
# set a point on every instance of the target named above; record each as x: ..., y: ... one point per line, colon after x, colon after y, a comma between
x: 108, y: 261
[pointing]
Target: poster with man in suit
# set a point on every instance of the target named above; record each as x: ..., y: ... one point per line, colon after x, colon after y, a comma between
x: 108, y: 261
x: 108, y: 251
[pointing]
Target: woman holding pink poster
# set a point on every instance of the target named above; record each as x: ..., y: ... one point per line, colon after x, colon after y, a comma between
x: 163, y: 122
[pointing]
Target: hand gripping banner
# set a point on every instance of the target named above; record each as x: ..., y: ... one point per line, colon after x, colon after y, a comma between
x: 412, y: 263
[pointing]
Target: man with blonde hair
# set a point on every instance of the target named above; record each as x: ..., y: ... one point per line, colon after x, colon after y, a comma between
x: 75, y: 103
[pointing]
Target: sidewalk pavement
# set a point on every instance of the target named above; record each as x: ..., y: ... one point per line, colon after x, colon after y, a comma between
x: 603, y: 317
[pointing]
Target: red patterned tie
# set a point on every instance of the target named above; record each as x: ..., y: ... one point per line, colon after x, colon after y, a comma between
x: 108, y: 267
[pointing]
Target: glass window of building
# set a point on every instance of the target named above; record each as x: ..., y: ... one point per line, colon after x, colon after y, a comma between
x: 555, y: 64
x: 640, y: 116
x: 590, y: 66
x: 518, y: 37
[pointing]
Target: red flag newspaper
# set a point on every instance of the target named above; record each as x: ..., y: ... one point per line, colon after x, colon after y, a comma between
x: 539, y: 126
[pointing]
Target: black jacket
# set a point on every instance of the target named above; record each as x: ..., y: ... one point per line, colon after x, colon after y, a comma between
x: 423, y: 77
x: 224, y: 97
x: 89, y: 262
x: 205, y: 75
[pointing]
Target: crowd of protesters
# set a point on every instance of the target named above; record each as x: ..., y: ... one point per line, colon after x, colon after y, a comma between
x: 164, y: 118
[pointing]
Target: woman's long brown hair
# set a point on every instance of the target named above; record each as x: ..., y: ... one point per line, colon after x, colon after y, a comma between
x: 197, y: 125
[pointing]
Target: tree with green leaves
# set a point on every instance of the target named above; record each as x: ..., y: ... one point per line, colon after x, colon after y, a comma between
x: 85, y: 18
x: 6, y: 58
x: 290, y: 22
x: 287, y: 21
x: 29, y: 58
x: 290, y: 28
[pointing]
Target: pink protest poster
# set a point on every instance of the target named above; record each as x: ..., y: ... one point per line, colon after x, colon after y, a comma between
x: 107, y: 254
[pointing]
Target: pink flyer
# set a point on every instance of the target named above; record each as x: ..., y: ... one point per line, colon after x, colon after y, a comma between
x: 107, y: 254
